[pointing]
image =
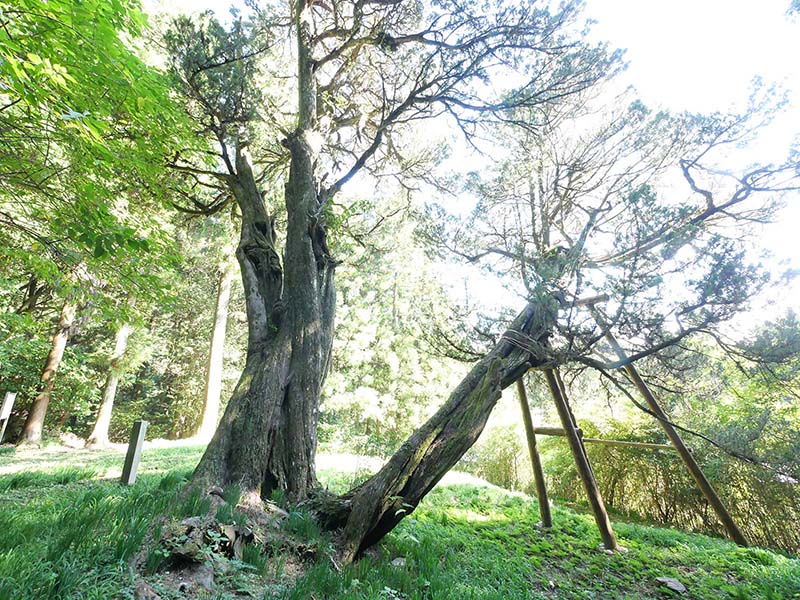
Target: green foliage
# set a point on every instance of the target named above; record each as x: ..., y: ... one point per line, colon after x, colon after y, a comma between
x: 166, y: 375
x: 303, y: 525
x: 748, y: 407
x: 84, y: 128
x: 23, y: 352
x: 22, y: 358
x: 470, y: 542
x: 74, y: 540
x: 498, y: 458
x: 655, y: 485
x: 163, y: 369
x: 38, y: 480
x: 385, y: 378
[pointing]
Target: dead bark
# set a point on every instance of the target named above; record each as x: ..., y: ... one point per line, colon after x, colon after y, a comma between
x: 375, y: 508
x: 99, y: 436
x: 213, y: 386
x: 32, y: 431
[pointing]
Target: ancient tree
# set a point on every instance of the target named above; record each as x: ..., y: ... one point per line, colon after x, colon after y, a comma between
x: 626, y: 209
x: 361, y: 74
x: 83, y: 127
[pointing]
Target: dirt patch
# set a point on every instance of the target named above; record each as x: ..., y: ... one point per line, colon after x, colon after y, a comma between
x: 245, y: 550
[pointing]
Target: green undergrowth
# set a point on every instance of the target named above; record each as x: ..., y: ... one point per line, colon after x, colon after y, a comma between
x: 37, y: 479
x: 469, y: 542
x: 64, y: 533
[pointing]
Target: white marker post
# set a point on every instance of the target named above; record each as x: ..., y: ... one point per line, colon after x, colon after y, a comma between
x: 5, y: 412
x: 134, y: 454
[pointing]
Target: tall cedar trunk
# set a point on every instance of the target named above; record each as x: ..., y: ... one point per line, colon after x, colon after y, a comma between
x: 213, y: 386
x: 267, y: 437
x: 99, y: 436
x: 376, y: 507
x: 32, y: 431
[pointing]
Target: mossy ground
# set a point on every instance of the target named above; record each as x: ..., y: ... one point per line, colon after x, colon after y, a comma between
x: 65, y: 532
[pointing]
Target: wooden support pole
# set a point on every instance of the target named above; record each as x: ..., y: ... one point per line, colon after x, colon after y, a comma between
x: 134, y: 454
x: 559, y: 432
x: 536, y: 463
x: 686, y: 456
x: 582, y: 462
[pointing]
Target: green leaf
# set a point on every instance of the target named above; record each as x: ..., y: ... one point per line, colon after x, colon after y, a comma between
x: 99, y: 248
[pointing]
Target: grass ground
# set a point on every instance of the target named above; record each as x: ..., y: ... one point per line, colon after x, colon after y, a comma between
x: 66, y: 532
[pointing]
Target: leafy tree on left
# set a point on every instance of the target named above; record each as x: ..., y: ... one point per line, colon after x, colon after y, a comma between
x: 85, y: 126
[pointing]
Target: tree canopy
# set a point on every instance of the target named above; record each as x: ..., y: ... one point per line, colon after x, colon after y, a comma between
x: 316, y: 138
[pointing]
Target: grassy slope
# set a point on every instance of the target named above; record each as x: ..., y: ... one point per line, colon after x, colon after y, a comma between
x: 66, y: 535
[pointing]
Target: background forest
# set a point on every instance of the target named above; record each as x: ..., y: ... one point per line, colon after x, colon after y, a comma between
x: 121, y: 299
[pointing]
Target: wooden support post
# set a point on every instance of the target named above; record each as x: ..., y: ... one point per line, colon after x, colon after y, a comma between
x: 5, y: 412
x: 686, y: 456
x: 536, y: 463
x: 582, y: 462
x: 559, y: 432
x: 134, y: 454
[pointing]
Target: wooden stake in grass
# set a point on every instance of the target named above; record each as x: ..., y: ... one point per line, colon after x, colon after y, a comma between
x: 536, y: 463
x: 134, y: 454
x: 5, y: 411
x: 582, y: 462
x: 686, y: 456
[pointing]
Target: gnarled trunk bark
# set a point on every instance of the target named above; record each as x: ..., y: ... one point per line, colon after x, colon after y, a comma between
x: 213, y: 386
x: 32, y: 431
x: 267, y: 438
x: 376, y: 507
x: 268, y: 435
x: 99, y: 436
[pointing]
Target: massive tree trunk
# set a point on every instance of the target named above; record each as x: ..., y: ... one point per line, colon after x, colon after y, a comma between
x: 99, y: 436
x: 267, y: 437
x: 213, y: 386
x: 32, y: 432
x: 376, y: 507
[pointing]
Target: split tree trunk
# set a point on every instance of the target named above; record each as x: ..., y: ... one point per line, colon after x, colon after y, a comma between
x: 32, y: 431
x: 376, y: 507
x: 267, y: 438
x: 99, y: 436
x: 213, y: 386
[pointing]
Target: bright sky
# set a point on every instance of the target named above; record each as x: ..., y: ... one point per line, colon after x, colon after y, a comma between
x: 700, y: 56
